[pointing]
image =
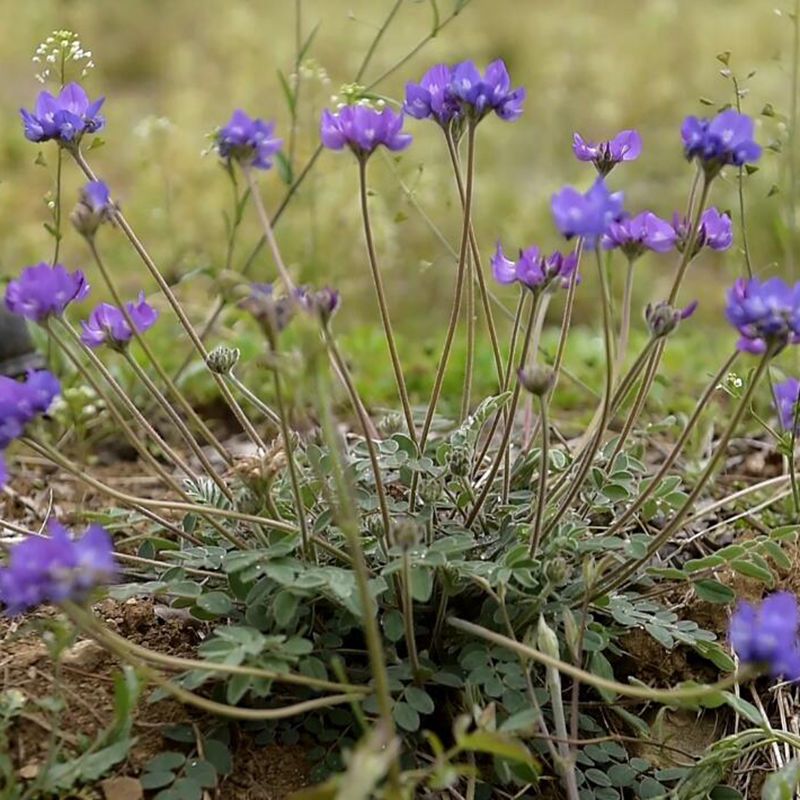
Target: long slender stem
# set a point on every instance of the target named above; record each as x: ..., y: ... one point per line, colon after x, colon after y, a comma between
x: 688, y: 252
x: 364, y: 421
x: 469, y: 369
x: 134, y: 439
x: 186, y: 324
x: 348, y: 522
x: 286, y: 435
x: 383, y: 306
x: 625, y: 319
x: 666, y: 696
x: 488, y: 478
x: 58, y: 203
x: 605, y: 408
x: 476, y: 257
x: 621, y: 574
x: 178, y: 422
x: 143, y: 343
x: 408, y: 615
x: 254, y: 399
x: 544, y: 464
x: 263, y: 218
x: 456, y: 307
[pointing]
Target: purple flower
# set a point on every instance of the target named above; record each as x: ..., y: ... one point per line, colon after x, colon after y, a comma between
x: 271, y: 312
x: 55, y: 568
x: 3, y: 470
x: 588, y: 215
x: 662, y: 318
x: 635, y: 235
x: 533, y: 270
x: 248, y: 141
x: 625, y: 146
x: 107, y: 324
x: 726, y: 139
x: 787, y: 393
x: 94, y: 207
x: 64, y: 118
x: 479, y: 95
x: 43, y: 291
x: 766, y: 314
x: 767, y: 636
x: 323, y: 302
x: 432, y: 97
x: 714, y: 231
x: 363, y: 129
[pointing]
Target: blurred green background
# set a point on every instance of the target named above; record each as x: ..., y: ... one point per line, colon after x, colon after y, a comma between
x: 173, y: 71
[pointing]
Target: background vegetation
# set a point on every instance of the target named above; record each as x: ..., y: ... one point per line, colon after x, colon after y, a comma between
x: 173, y: 71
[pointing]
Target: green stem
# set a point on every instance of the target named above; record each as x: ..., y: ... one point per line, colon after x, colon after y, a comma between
x: 544, y: 463
x: 488, y: 478
x: 620, y: 575
x: 364, y: 421
x: 688, y: 254
x: 57, y: 210
x: 254, y: 399
x: 297, y: 494
x: 348, y: 523
x: 382, y: 304
x: 466, y: 394
x: 668, y: 697
x: 625, y: 321
x: 456, y: 307
x: 408, y: 615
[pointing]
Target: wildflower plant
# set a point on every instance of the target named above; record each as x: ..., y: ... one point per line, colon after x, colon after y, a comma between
x: 451, y: 597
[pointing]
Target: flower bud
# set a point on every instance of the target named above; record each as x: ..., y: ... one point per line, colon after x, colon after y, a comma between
x: 391, y: 423
x: 94, y: 207
x: 459, y: 462
x: 538, y: 380
x: 555, y: 570
x: 547, y: 639
x: 222, y: 359
x: 662, y: 318
x: 407, y: 533
x: 272, y: 313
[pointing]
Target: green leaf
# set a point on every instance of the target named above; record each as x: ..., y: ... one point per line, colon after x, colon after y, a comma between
x: 216, y: 603
x: 783, y: 784
x: 709, y: 562
x: 393, y: 625
x: 751, y: 570
x: 219, y: 755
x: 186, y: 789
x: 744, y: 709
x: 621, y: 775
x: 722, y: 792
x: 406, y: 717
x: 421, y: 584
x: 285, y: 607
x: 598, y: 777
x: 419, y: 700
x: 649, y: 789
x: 202, y: 773
x: 601, y: 666
x: 165, y: 761
x: 714, y: 592
x: 497, y: 744
x: 156, y: 779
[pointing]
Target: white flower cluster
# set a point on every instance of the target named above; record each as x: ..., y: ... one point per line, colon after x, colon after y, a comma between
x: 310, y: 70
x: 58, y: 50
x: 352, y: 94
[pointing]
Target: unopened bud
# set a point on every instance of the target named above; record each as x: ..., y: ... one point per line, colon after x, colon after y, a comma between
x: 555, y: 570
x: 459, y: 462
x: 94, y: 207
x: 662, y: 318
x: 222, y: 359
x: 538, y: 380
x: 547, y: 639
x: 391, y: 423
x: 407, y: 533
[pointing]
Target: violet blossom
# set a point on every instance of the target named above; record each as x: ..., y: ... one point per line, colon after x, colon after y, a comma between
x: 725, y: 139
x: 107, y: 324
x: 766, y: 314
x: 42, y: 291
x: 65, y: 118
x: 636, y: 235
x: 715, y: 231
x: 625, y: 146
x: 249, y: 141
x: 588, y: 215
x: 363, y: 129
x: 787, y: 394
x: 532, y: 269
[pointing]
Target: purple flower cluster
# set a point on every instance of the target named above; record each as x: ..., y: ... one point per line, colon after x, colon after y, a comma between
x: 43, y: 291
x: 787, y: 394
x: 249, y: 141
x: 322, y: 302
x: 20, y: 404
x: 635, y: 235
x: 766, y: 314
x: 55, y: 568
x: 446, y: 93
x: 65, y: 118
x: 767, y: 636
x: 726, y: 139
x: 107, y: 324
x: 363, y: 129
x: 715, y: 231
x: 532, y: 269
x: 625, y: 146
x: 588, y: 215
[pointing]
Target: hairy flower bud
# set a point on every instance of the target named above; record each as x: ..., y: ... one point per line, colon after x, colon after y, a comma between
x: 555, y: 570
x: 222, y: 359
x: 538, y: 380
x: 391, y: 423
x: 547, y: 640
x: 459, y: 462
x: 431, y: 491
x: 662, y: 318
x: 407, y: 533
x: 94, y: 207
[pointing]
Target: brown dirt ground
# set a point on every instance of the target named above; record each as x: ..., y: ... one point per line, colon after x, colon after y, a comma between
x: 260, y: 773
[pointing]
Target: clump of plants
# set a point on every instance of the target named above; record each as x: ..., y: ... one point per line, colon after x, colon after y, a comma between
x: 436, y: 606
